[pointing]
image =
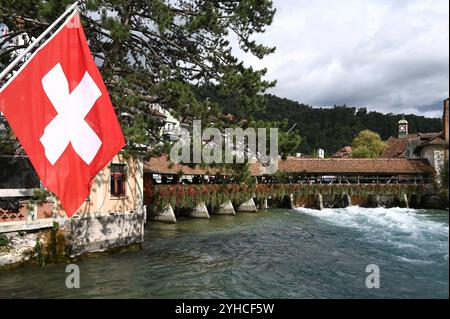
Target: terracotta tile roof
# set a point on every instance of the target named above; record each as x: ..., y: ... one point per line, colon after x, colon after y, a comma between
x: 431, y: 139
x: 430, y: 135
x: 397, y: 146
x: 353, y: 166
x: 162, y: 165
x: 343, y: 152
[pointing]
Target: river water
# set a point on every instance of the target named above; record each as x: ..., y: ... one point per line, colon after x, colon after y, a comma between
x: 275, y: 254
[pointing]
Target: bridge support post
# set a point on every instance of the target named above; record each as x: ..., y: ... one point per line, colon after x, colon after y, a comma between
x: 346, y: 200
x: 226, y: 208
x: 263, y: 204
x: 166, y: 214
x: 199, y: 211
x: 414, y: 201
x: 248, y: 206
x: 403, y: 201
x: 291, y: 201
x: 319, y: 201
x: 373, y: 201
x: 377, y: 200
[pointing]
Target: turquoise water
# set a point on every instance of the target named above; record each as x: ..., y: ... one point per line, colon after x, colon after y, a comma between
x: 275, y: 254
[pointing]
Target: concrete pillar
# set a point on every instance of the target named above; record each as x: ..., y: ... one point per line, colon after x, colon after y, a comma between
x: 319, y: 201
x: 346, y: 200
x: 403, y: 201
x: 226, y: 208
x: 377, y: 200
x: 248, y: 206
x: 199, y: 211
x: 164, y: 215
x: 374, y: 201
x: 263, y: 204
x: 291, y: 200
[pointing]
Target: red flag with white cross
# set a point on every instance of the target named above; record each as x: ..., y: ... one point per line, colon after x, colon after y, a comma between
x: 59, y: 108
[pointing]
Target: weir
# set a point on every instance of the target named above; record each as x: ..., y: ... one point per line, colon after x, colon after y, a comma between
x: 310, y: 183
x: 192, y: 202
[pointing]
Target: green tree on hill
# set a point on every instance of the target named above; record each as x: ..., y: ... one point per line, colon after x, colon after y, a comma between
x: 367, y: 144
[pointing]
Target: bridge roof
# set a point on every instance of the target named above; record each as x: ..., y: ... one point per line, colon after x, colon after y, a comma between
x: 163, y: 165
x: 362, y: 166
x: 352, y: 166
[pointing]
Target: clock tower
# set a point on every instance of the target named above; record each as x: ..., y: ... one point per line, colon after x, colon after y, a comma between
x: 402, y: 128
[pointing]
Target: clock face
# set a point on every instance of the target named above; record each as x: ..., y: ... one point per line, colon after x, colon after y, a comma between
x: 402, y: 128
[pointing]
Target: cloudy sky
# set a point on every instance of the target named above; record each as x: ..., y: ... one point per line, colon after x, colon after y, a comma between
x: 386, y: 55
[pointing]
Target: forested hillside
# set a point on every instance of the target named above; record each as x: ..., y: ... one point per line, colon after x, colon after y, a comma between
x: 333, y: 128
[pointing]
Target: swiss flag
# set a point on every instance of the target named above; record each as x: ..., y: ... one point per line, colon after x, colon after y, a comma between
x: 58, y: 107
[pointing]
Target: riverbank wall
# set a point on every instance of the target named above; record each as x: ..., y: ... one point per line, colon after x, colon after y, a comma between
x: 52, y: 240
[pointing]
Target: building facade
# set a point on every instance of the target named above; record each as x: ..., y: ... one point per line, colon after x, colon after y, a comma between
x: 431, y: 146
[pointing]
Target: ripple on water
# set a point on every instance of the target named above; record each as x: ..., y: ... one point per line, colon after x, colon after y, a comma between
x: 275, y: 254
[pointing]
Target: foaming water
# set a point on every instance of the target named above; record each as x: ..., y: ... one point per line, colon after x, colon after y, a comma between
x: 410, y: 231
x: 280, y: 253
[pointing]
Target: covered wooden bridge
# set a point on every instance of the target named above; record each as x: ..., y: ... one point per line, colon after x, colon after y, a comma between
x: 196, y: 191
x: 352, y: 171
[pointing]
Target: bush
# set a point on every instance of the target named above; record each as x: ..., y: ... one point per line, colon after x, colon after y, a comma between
x: 4, y: 241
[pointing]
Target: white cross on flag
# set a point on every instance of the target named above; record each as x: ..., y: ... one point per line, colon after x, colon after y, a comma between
x: 60, y: 110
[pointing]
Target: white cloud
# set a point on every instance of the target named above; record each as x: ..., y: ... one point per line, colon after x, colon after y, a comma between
x: 391, y: 56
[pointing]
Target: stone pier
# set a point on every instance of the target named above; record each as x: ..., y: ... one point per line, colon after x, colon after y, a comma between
x: 166, y: 214
x: 403, y: 201
x: 374, y: 201
x: 226, y: 208
x: 292, y: 201
x: 199, y: 211
x: 319, y: 201
x: 262, y: 205
x: 248, y: 206
x: 346, y: 200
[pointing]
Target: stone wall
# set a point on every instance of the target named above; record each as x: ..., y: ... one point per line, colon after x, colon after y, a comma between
x: 66, y: 238
x: 100, y: 232
x: 435, y: 155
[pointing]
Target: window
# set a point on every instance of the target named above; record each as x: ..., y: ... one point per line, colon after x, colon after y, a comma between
x: 118, y: 180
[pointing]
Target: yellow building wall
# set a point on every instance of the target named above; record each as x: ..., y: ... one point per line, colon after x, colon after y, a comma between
x: 100, y: 199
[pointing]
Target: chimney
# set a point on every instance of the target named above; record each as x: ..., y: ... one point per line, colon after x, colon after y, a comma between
x: 445, y: 119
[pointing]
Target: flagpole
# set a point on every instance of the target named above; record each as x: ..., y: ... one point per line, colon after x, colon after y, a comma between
x: 35, y: 42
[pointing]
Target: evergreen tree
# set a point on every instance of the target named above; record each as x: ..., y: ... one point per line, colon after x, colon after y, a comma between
x: 158, y: 51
